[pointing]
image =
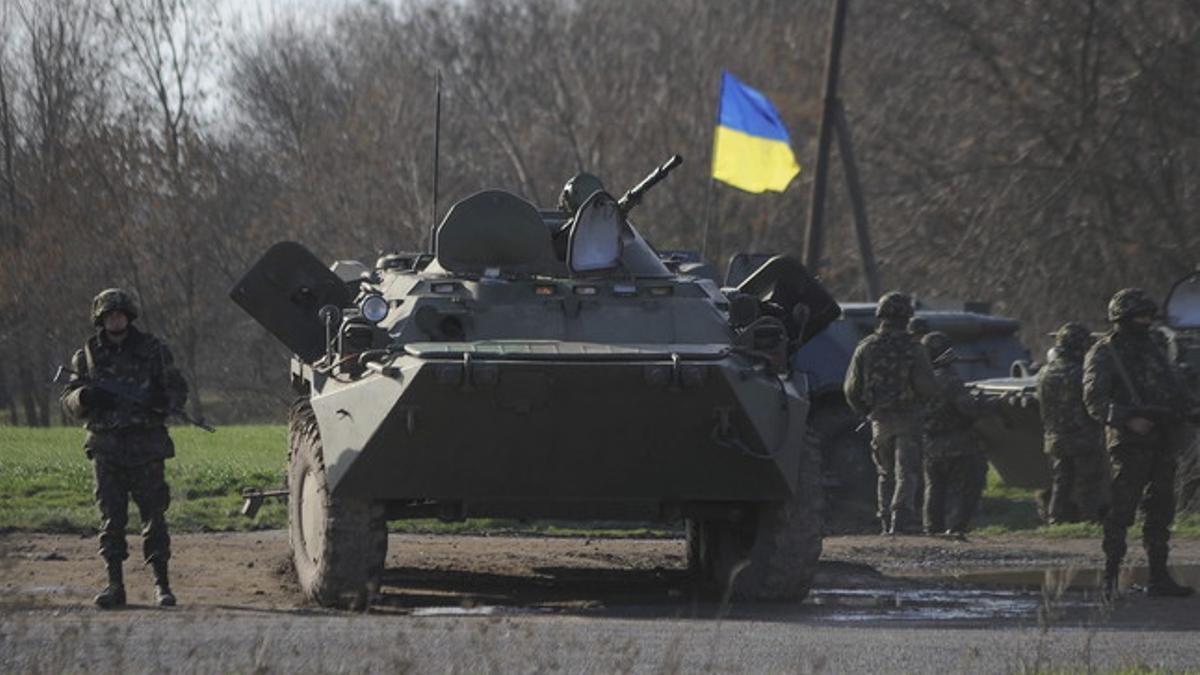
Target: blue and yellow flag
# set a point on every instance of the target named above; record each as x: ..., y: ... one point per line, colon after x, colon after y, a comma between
x: 751, y: 149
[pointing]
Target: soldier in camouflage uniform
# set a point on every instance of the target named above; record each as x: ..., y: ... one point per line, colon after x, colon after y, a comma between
x: 1073, y: 440
x: 1129, y: 387
x: 955, y: 466
x: 888, y: 381
x: 127, y: 441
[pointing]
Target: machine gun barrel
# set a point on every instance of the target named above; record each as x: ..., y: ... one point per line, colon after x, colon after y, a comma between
x: 130, y: 395
x: 635, y: 194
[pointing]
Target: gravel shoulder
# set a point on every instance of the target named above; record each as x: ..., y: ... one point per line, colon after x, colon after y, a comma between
x: 475, y: 603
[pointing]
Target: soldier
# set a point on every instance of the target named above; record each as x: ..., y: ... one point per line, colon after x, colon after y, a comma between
x: 888, y: 379
x: 1073, y: 440
x: 127, y: 441
x: 576, y: 191
x: 1128, y: 386
x: 955, y: 467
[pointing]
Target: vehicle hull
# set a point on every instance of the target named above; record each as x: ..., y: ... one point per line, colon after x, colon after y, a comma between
x: 495, y: 430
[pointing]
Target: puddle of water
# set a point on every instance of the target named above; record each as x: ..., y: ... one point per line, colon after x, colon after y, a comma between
x: 480, y: 610
x: 1072, y: 578
x: 859, y: 605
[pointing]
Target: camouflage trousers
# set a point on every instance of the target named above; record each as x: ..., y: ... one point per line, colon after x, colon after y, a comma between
x: 1143, y: 475
x: 953, y: 487
x: 896, y: 449
x: 115, y: 484
x: 1079, y: 481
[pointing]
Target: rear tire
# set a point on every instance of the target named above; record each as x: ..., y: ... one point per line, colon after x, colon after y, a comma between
x: 339, y: 544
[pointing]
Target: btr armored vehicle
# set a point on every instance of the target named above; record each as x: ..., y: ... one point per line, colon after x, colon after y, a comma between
x: 545, y: 364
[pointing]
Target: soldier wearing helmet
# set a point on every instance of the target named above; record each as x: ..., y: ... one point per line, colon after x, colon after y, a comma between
x: 888, y: 381
x: 576, y: 191
x: 1072, y: 440
x: 955, y: 467
x: 1130, y: 388
x: 127, y: 438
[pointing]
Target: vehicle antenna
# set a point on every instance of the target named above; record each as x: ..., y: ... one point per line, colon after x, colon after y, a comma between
x: 437, y: 134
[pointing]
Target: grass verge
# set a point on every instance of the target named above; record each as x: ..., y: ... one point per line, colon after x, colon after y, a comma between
x: 46, y: 485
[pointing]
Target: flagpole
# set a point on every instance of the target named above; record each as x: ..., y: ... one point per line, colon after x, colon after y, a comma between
x: 710, y: 206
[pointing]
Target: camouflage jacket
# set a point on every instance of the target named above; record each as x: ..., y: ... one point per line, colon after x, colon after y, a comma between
x: 1158, y: 393
x: 950, y: 417
x: 140, y: 363
x: 889, y: 373
x: 1060, y: 395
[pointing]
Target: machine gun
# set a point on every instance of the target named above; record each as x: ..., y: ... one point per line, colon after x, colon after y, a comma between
x: 127, y: 394
x: 634, y: 196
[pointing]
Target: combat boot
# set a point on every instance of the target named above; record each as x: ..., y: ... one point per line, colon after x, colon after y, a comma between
x: 163, y: 597
x: 1161, y: 585
x: 113, y: 594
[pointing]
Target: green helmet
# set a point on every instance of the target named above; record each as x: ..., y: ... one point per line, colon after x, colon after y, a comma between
x: 113, y: 299
x: 577, y: 190
x: 1130, y: 302
x: 1073, y: 337
x: 894, y: 305
x: 936, y: 344
x: 919, y: 326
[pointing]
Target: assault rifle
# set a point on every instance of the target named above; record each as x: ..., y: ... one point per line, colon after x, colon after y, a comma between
x: 129, y: 395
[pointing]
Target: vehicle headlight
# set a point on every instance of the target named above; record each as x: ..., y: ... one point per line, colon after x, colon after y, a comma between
x: 373, y: 308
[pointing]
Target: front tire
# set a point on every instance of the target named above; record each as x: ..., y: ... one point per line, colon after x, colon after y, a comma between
x: 771, y: 552
x: 339, y: 544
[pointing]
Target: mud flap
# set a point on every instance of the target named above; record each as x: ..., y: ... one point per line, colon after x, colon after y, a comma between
x: 284, y: 290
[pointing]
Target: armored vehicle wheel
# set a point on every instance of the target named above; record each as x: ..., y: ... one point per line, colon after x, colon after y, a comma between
x: 771, y: 552
x: 846, y: 458
x: 338, y: 544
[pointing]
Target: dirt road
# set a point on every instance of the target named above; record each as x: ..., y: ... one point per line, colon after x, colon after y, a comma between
x: 518, y: 603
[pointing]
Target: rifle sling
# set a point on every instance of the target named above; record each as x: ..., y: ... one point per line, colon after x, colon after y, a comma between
x: 1134, y: 397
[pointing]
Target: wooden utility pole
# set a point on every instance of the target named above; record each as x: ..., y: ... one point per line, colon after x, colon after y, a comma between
x: 814, y: 235
x: 833, y: 121
x: 859, y: 204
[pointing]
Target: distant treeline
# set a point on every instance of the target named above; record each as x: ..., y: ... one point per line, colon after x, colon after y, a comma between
x: 1035, y: 154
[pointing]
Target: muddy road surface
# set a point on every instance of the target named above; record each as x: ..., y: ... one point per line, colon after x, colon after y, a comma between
x: 521, y: 604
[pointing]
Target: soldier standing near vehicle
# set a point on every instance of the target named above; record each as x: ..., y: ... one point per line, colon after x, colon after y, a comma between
x: 955, y: 466
x: 127, y: 441
x: 1073, y: 440
x: 888, y: 381
x: 1129, y: 387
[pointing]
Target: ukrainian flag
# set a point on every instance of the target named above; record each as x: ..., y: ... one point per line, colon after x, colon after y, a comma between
x: 751, y: 149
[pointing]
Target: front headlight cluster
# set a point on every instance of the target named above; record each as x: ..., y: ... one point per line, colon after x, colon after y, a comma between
x: 373, y: 307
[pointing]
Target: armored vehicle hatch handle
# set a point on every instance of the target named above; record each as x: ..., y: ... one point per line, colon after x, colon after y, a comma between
x: 635, y: 194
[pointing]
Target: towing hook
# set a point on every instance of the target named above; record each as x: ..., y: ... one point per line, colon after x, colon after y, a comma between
x: 255, y: 497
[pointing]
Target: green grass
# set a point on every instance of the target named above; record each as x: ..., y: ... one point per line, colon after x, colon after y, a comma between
x: 1007, y: 509
x: 46, y: 485
x: 46, y: 480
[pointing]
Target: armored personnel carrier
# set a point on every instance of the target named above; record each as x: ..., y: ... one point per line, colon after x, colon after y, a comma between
x: 543, y: 364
